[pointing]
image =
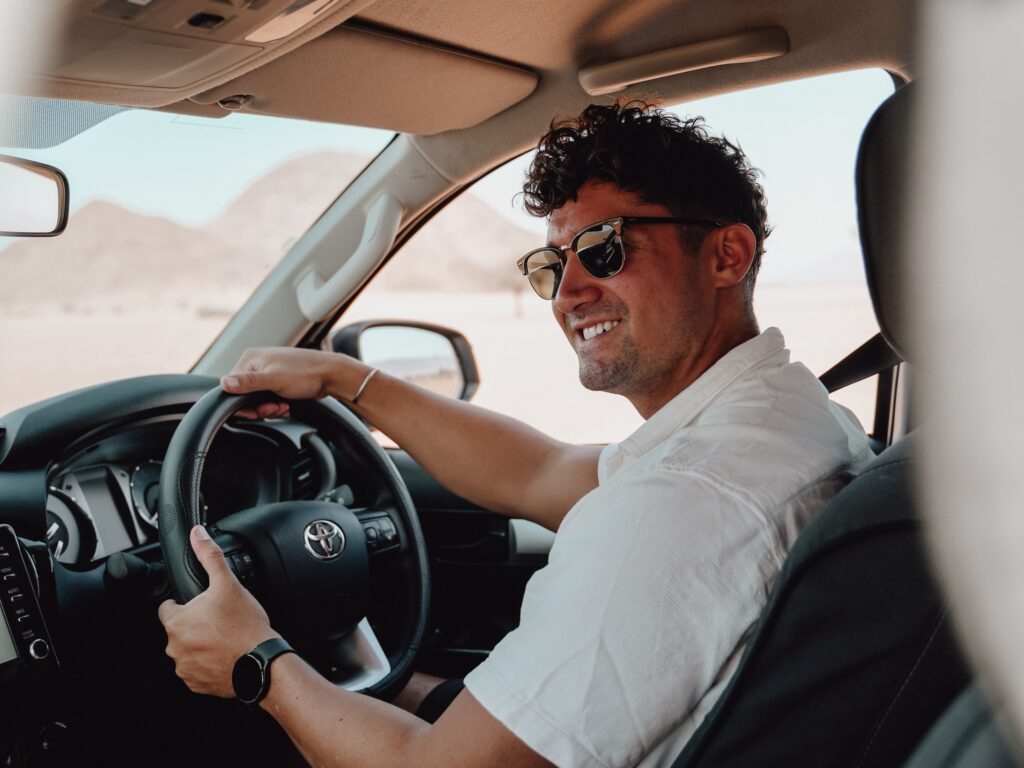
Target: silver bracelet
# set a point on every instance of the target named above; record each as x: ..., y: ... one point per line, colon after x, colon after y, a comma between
x: 362, y: 386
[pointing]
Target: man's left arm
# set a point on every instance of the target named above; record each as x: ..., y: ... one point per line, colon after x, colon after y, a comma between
x: 330, y: 726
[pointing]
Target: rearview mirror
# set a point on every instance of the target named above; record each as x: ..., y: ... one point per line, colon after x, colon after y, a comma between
x: 431, y: 356
x: 33, y: 198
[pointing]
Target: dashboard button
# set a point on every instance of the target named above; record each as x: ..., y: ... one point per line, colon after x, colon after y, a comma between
x: 39, y: 649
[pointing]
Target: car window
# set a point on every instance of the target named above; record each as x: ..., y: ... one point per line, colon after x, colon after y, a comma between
x: 459, y: 269
x: 174, y: 222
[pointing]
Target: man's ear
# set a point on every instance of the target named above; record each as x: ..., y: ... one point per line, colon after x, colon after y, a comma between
x: 733, y: 249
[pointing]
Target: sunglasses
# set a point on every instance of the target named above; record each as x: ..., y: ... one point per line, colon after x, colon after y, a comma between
x: 599, y: 249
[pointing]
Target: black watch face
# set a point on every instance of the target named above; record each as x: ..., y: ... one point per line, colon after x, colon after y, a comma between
x: 247, y: 678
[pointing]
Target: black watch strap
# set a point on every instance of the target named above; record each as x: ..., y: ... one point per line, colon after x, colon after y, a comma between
x: 270, y: 649
x: 251, y: 675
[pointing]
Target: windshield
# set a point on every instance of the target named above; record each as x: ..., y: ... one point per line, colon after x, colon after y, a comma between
x: 175, y: 220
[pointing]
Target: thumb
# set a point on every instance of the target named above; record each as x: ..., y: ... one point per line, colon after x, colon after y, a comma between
x: 210, y: 555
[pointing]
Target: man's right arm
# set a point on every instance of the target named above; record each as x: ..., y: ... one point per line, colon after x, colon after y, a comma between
x: 494, y: 461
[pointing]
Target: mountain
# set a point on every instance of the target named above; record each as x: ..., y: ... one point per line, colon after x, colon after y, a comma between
x: 109, y: 251
x: 280, y: 206
x: 467, y: 246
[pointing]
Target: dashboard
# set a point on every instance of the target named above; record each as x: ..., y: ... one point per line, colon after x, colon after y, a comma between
x: 102, y: 483
x: 80, y: 478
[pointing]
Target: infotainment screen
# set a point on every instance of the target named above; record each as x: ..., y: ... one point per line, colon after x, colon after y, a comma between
x: 7, y: 650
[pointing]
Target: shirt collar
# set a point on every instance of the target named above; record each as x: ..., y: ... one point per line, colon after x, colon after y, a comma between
x: 682, y: 409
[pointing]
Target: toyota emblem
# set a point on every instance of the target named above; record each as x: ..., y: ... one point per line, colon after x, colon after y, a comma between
x: 324, y: 539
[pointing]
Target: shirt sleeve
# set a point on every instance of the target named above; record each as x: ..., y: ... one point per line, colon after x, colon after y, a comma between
x: 651, y: 585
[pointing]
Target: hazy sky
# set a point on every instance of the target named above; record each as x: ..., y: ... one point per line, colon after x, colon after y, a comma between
x: 802, y: 135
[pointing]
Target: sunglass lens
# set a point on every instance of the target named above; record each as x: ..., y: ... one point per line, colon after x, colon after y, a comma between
x: 600, y: 251
x: 544, y: 271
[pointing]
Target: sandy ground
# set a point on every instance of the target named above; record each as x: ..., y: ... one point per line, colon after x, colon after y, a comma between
x: 527, y: 369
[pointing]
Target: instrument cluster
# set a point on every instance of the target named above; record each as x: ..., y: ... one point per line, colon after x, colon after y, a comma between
x: 104, y: 497
x: 101, y: 509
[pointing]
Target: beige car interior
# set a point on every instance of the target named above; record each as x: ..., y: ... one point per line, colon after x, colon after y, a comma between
x: 469, y: 84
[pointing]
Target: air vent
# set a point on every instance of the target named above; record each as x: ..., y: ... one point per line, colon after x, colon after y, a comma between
x: 306, y: 475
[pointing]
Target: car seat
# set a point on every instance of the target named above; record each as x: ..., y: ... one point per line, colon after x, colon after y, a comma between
x: 853, y: 658
x: 965, y: 737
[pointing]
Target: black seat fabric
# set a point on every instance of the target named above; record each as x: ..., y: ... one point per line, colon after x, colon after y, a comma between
x: 965, y: 737
x: 880, y: 217
x: 853, y: 658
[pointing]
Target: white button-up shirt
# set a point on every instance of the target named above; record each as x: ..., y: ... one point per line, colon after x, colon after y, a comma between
x: 629, y: 635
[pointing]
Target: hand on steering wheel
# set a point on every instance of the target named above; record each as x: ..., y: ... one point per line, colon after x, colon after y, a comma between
x: 308, y: 561
x: 207, y: 635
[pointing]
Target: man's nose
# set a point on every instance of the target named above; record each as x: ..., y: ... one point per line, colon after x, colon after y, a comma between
x: 577, y: 287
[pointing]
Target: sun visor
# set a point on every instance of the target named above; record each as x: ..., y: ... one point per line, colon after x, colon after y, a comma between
x: 370, y: 78
x: 151, y: 53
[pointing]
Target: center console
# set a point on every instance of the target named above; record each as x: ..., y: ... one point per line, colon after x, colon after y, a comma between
x: 28, y: 660
x: 26, y: 649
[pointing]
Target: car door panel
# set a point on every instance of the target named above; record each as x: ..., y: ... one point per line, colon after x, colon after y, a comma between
x: 480, y: 563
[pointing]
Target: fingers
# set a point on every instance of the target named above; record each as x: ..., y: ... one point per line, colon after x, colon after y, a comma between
x: 273, y: 410
x: 210, y: 555
x: 266, y: 411
x: 240, y: 382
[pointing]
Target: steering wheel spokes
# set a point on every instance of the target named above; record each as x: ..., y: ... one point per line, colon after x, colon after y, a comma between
x: 308, y: 562
x: 355, y: 661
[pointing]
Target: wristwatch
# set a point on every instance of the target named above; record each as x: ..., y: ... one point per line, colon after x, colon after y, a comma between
x: 251, y: 675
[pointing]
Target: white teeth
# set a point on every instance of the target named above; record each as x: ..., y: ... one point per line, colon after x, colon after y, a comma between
x: 595, y: 330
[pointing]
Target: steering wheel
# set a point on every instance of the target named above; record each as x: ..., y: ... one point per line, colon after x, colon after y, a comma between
x: 308, y: 562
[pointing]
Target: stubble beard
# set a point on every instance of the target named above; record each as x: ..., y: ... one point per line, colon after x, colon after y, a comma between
x: 632, y: 369
x: 625, y: 373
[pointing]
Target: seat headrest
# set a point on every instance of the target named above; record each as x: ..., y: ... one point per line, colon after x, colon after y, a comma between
x: 881, y: 181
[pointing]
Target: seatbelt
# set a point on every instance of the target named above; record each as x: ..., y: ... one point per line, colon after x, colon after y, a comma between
x: 873, y: 356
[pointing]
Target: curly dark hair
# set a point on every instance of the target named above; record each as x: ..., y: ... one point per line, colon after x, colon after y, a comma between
x: 660, y: 157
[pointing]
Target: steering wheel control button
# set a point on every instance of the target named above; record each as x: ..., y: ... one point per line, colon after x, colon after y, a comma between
x: 324, y: 539
x: 387, y: 531
x: 381, y: 533
x: 39, y: 649
x: 243, y: 566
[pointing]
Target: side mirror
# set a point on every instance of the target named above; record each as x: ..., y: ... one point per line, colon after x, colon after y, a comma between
x: 431, y: 356
x: 33, y: 198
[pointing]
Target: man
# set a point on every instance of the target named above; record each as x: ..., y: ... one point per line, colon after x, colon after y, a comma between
x: 666, y: 543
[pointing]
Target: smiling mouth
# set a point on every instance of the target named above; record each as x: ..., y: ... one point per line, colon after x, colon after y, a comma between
x: 592, y: 331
